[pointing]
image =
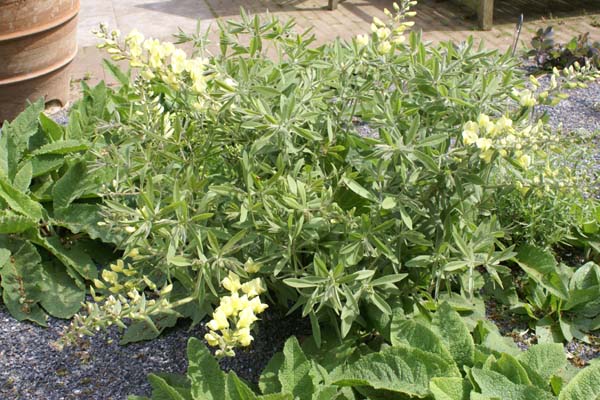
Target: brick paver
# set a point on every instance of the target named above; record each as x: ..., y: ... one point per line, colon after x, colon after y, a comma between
x: 439, y: 20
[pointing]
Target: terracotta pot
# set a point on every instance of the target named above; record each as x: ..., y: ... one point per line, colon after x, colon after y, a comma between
x: 38, y: 41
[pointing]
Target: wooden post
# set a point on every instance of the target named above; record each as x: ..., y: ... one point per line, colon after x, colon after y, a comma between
x: 333, y: 4
x: 485, y: 14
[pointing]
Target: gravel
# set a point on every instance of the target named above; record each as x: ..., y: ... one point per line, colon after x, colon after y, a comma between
x: 98, y: 368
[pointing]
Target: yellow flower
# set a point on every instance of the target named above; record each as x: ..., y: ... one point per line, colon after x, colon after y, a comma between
x: 469, y: 137
x: 524, y: 161
x: 212, y: 339
x: 399, y: 39
x: 504, y: 123
x: 384, y: 47
x: 178, y: 61
x: 257, y: 306
x: 251, y: 267
x: 526, y: 98
x: 487, y: 156
x: 383, y: 33
x: 110, y: 276
x: 231, y: 282
x: 219, y: 321
x: 483, y: 143
x: 362, y: 40
x: 253, y: 288
x: 246, y: 318
x: 243, y: 336
x: 379, y: 23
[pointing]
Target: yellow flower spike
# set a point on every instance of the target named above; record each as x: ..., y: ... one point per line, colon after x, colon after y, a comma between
x: 246, y: 318
x: 231, y: 282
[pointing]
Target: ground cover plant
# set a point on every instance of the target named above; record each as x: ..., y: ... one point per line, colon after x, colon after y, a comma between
x: 548, y: 54
x: 384, y: 188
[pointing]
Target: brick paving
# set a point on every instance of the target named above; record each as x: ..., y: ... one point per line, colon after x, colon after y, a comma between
x: 439, y: 20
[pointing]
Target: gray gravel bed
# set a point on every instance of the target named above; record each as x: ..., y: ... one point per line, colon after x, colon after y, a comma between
x: 99, y: 369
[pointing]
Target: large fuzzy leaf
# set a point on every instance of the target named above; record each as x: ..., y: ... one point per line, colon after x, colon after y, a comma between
x: 450, y: 388
x: 208, y: 381
x: 268, y: 381
x: 19, y: 201
x: 417, y: 335
x: 68, y: 187
x: 21, y: 276
x: 494, y: 384
x: 85, y: 218
x: 455, y: 334
x: 73, y: 256
x: 62, y: 147
x: 585, y: 385
x: 295, y: 374
x: 163, y: 391
x: 11, y: 223
x: 400, y: 369
x: 238, y: 390
x: 511, y: 368
x: 545, y: 359
x: 540, y: 266
x: 61, y: 295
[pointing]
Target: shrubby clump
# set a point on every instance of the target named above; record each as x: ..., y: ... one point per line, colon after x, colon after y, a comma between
x: 255, y: 162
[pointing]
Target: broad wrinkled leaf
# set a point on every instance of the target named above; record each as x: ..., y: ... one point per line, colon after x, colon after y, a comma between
x: 544, y: 359
x: 162, y: 390
x: 19, y: 201
x: 417, y: 335
x: 540, y: 266
x: 399, y: 369
x: 268, y: 381
x: 510, y: 367
x: 585, y: 385
x: 238, y: 390
x: 21, y: 276
x: 208, y: 381
x: 61, y: 296
x: 455, y: 334
x: 450, y: 388
x: 495, y: 384
x: 295, y: 375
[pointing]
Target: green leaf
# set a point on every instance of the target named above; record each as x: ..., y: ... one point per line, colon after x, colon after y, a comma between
x: 208, y: 381
x: 116, y: 72
x: 494, y: 384
x: 238, y: 390
x: 21, y: 276
x: 455, y: 334
x: 540, y: 266
x: 399, y: 369
x: 74, y: 256
x: 11, y: 223
x: 585, y: 385
x: 61, y: 296
x: 68, y: 187
x: 62, y: 147
x: 388, y: 203
x: 44, y: 164
x: 162, y: 390
x: 545, y: 359
x: 417, y: 335
x: 295, y: 373
x: 53, y: 131
x: 23, y: 177
x: 450, y: 388
x: 358, y: 189
x: 268, y: 381
x: 508, y: 366
x: 18, y: 201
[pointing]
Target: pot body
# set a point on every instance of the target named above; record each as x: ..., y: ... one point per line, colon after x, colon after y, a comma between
x: 38, y: 42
